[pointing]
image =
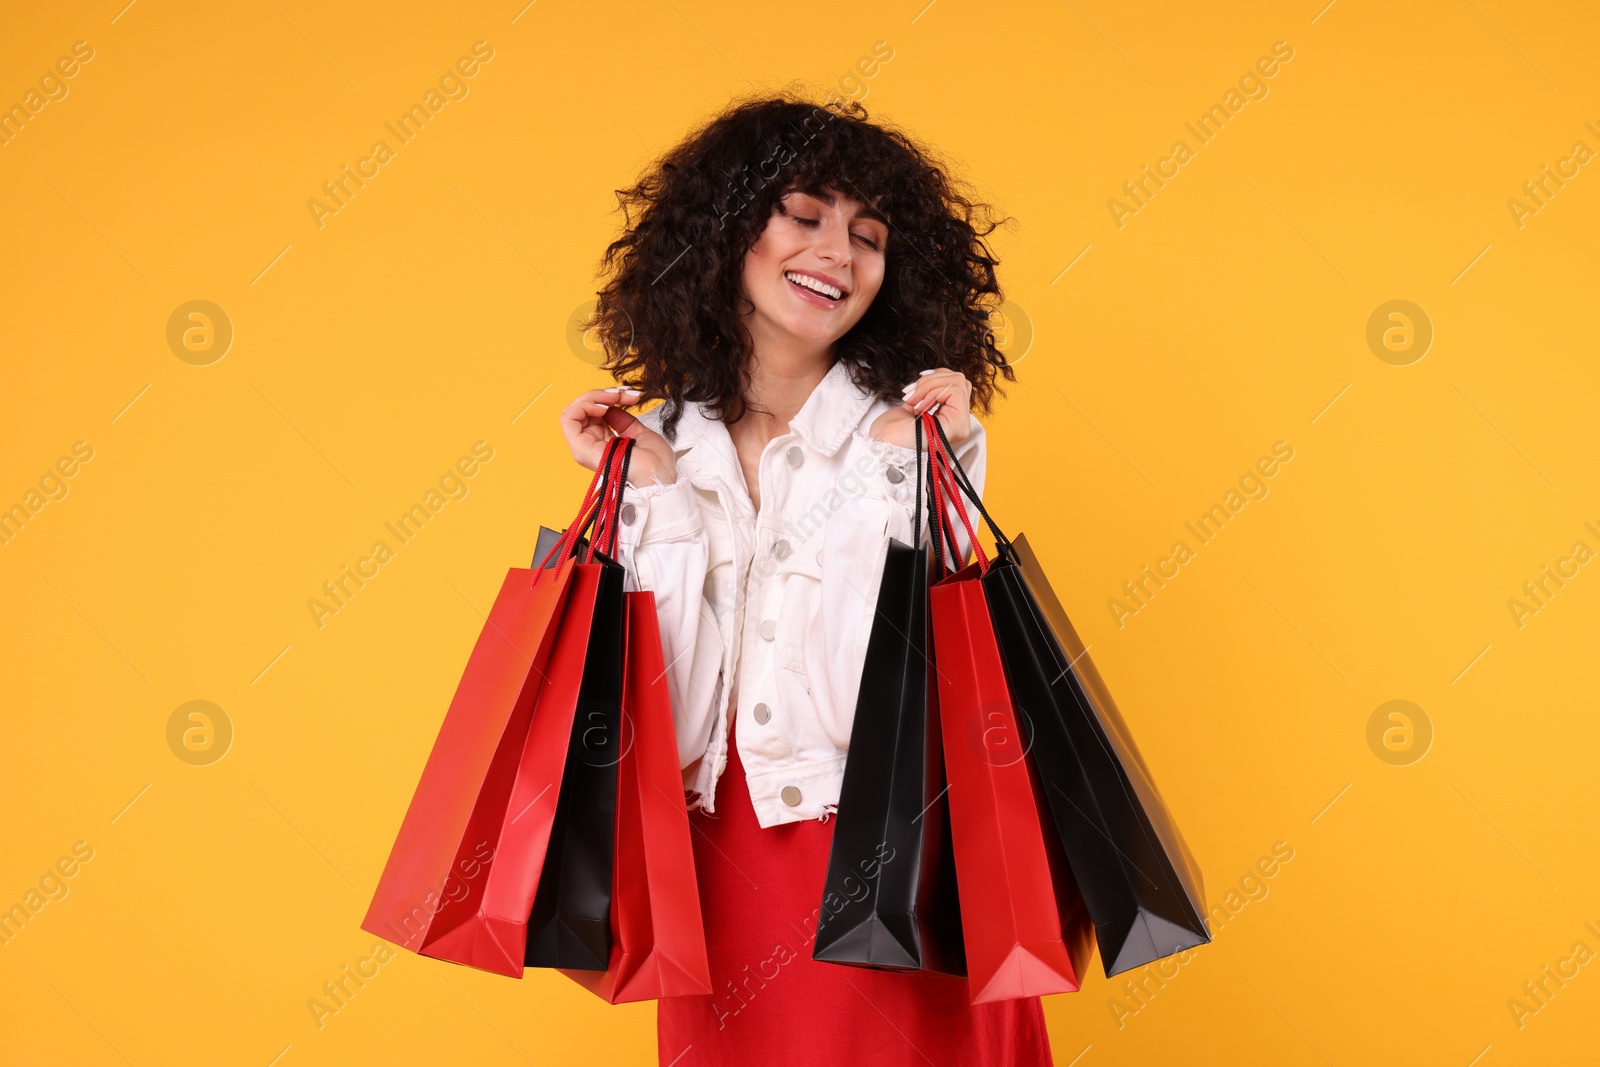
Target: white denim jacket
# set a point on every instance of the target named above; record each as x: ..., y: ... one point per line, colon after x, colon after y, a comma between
x: 766, y: 615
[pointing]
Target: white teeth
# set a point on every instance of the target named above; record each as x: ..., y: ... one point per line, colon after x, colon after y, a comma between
x: 811, y: 283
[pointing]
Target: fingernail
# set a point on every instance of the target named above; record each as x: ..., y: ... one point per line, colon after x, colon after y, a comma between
x: 633, y: 392
x: 934, y: 410
x: 924, y: 373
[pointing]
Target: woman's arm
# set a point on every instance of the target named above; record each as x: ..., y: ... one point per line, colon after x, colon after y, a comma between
x: 663, y: 544
x: 662, y: 541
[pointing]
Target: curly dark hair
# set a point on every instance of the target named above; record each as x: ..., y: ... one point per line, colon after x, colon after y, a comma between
x: 670, y: 312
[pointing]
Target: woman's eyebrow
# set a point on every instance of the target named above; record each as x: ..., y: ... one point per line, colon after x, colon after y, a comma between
x: 867, y: 210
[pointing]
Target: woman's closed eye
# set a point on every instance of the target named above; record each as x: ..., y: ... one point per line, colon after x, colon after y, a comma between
x: 865, y: 239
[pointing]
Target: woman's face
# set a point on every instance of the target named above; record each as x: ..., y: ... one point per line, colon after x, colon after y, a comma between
x: 814, y: 241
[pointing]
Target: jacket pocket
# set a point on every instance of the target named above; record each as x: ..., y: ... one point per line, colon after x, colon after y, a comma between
x: 799, y: 579
x: 833, y: 641
x: 719, y: 588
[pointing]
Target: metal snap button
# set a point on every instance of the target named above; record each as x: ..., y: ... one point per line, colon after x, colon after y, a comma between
x: 628, y: 514
x: 790, y: 795
x: 769, y: 629
x: 895, y: 475
x: 781, y: 550
x: 796, y: 457
x: 763, y: 713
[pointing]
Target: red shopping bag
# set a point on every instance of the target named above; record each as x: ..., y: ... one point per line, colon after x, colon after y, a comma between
x: 473, y: 840
x: 658, y: 945
x: 1026, y: 929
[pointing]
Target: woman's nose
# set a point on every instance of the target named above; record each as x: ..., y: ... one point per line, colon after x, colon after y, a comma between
x: 834, y: 244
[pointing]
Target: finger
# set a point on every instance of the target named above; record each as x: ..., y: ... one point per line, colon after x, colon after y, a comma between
x: 912, y: 395
x: 625, y: 424
x: 612, y: 396
x: 572, y: 419
x: 591, y: 397
x: 590, y: 411
x: 948, y: 395
x: 584, y: 427
x: 579, y: 416
x: 957, y: 421
x: 928, y: 382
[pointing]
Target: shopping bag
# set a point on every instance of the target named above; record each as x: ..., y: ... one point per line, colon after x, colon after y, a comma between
x: 434, y: 896
x: 569, y: 923
x: 1026, y: 930
x: 890, y: 898
x: 1138, y: 879
x: 658, y: 941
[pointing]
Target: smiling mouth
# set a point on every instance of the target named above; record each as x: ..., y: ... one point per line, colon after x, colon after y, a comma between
x: 812, y: 285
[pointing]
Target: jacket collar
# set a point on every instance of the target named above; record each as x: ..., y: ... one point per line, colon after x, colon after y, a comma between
x: 825, y: 422
x: 832, y: 411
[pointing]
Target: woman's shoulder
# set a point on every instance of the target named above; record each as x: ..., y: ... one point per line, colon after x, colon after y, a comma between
x: 688, y: 427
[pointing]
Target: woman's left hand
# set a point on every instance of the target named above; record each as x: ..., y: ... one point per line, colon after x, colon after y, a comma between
x: 946, y: 393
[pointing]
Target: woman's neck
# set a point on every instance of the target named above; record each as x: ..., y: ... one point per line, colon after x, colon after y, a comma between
x: 781, y: 380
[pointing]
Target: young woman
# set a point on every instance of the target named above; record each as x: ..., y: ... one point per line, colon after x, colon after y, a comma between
x: 797, y: 284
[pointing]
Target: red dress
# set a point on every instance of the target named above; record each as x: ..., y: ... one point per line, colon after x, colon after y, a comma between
x: 773, y: 1005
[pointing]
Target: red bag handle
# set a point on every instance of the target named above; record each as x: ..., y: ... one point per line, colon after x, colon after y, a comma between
x: 946, y: 489
x: 953, y: 494
x: 591, y: 510
x: 941, y: 513
x: 606, y: 524
x: 941, y: 533
x: 583, y: 518
x: 1002, y: 543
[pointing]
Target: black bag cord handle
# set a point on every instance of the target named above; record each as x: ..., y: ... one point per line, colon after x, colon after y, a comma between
x: 925, y: 480
x: 595, y: 525
x: 916, y: 510
x: 609, y: 501
x: 1001, y: 541
x: 946, y: 552
x: 596, y: 510
x: 614, y: 513
x: 594, y: 520
x: 924, y: 477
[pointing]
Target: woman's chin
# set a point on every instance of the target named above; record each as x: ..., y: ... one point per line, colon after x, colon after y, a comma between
x: 800, y: 326
x: 806, y: 330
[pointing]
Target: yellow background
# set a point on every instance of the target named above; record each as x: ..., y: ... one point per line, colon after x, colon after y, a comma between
x: 1228, y: 314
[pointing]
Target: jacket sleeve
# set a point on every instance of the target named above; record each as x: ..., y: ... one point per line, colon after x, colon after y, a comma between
x: 662, y: 541
x: 855, y: 540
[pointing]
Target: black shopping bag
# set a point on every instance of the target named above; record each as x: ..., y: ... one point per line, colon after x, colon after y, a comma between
x: 889, y: 900
x: 1138, y: 879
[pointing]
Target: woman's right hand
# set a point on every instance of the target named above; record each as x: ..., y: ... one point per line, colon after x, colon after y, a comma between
x: 591, y: 420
